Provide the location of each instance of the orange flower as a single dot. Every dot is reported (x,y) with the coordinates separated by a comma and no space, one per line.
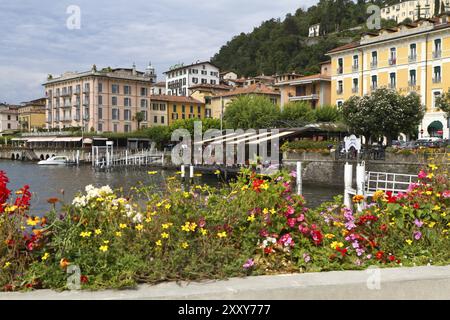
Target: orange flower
(63,263)
(358,198)
(52,200)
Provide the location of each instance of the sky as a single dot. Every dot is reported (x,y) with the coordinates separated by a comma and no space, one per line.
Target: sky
(35,39)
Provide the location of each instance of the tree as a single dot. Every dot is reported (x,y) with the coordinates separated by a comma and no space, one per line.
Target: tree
(298,113)
(327,114)
(443,103)
(384,113)
(251,111)
(139,117)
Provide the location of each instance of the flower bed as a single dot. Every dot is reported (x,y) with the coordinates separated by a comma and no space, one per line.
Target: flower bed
(256,225)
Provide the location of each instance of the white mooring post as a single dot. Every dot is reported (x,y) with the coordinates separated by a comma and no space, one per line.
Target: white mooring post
(360,182)
(183,173)
(191,174)
(348,177)
(299,178)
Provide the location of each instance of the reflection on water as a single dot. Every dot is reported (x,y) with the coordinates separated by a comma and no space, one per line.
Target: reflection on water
(50,181)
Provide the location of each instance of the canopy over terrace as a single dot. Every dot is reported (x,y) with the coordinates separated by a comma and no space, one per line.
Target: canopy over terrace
(52,142)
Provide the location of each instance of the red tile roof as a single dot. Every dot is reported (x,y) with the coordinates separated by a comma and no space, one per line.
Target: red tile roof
(345,47)
(169,98)
(211,86)
(254,88)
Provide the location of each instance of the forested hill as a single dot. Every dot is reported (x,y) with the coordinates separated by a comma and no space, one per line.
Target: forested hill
(278,46)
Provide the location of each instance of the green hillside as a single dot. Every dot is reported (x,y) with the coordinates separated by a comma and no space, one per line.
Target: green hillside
(278,46)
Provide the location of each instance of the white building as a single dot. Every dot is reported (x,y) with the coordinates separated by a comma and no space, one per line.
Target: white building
(9,117)
(409,9)
(314,30)
(180,77)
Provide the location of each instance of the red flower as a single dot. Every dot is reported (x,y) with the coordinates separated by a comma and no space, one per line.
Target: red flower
(390,197)
(383,227)
(379,255)
(257,184)
(416,206)
(391,258)
(342,251)
(84,279)
(268,250)
(317,237)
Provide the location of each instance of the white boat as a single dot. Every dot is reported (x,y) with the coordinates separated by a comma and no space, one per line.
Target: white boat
(55,160)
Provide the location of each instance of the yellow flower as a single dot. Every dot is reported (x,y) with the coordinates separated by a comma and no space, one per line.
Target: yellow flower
(217,172)
(204,232)
(7,264)
(344,232)
(409,242)
(222,234)
(122,226)
(158,243)
(167,206)
(164,235)
(329,236)
(198,175)
(185,227)
(443,214)
(192,226)
(265,211)
(98,231)
(264,186)
(185,245)
(430,175)
(148,219)
(338,224)
(106,241)
(432,167)
(139,227)
(166,225)
(118,234)
(445,231)
(251,218)
(85,234)
(32,222)
(244,188)
(159,204)
(152,172)
(103,248)
(436,208)
(431,224)
(100,199)
(379,194)
(334,245)
(45,256)
(273,211)
(186,194)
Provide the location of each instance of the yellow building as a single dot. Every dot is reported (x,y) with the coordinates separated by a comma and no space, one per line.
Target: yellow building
(32,115)
(176,107)
(409,58)
(220,101)
(205,93)
(314,89)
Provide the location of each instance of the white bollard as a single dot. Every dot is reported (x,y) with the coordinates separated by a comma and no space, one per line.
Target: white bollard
(360,182)
(183,173)
(299,178)
(126,157)
(348,179)
(191,172)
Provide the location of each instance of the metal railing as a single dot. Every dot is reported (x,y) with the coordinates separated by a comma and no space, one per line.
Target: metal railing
(393,182)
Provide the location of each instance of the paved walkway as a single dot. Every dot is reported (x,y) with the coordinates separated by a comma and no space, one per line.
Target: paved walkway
(393,283)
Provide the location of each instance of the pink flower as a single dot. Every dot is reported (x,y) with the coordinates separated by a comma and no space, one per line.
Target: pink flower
(418,223)
(301,218)
(306,257)
(290,211)
(286,240)
(293,174)
(417,235)
(446,194)
(422,174)
(291,222)
(250,263)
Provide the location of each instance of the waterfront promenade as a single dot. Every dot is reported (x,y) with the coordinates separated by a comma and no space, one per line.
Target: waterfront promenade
(432,282)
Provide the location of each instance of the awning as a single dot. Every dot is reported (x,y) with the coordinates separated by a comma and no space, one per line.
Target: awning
(19,139)
(41,139)
(68,139)
(87,141)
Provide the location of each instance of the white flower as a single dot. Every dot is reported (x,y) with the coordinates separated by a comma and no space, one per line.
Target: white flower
(137,218)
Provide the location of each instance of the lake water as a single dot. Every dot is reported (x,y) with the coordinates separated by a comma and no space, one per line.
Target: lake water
(49,181)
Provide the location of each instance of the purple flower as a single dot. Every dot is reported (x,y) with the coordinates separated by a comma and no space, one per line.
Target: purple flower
(418,223)
(293,174)
(359,252)
(417,235)
(250,263)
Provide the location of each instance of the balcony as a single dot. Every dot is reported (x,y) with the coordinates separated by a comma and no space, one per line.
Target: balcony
(412,58)
(313,96)
(66,119)
(437,79)
(374,64)
(437,54)
(392,61)
(339,91)
(339,70)
(355,89)
(77,91)
(355,68)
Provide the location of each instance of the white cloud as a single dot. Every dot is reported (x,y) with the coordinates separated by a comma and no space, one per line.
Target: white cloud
(36,42)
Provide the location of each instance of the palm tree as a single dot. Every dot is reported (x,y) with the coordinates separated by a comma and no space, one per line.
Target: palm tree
(139,117)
